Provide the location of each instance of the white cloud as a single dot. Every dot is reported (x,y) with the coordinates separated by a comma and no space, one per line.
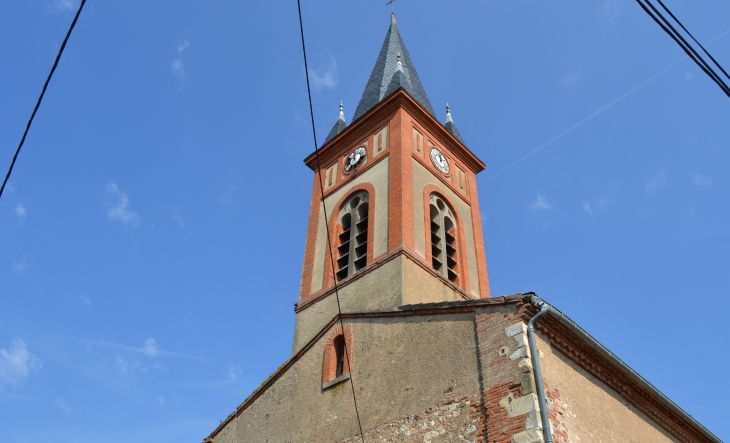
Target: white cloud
(150,347)
(80,298)
(178,67)
(62,405)
(178,219)
(587,207)
(233,371)
(701,179)
(20,211)
(570,79)
(230,183)
(599,206)
(610,9)
(540,204)
(121,211)
(121,364)
(65,5)
(655,182)
(20,268)
(17,363)
(326,77)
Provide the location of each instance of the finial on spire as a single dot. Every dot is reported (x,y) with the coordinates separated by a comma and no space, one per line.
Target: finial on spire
(392,10)
(342,112)
(448,114)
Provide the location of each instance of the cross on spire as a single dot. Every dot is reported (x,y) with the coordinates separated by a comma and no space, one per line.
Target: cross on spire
(392,6)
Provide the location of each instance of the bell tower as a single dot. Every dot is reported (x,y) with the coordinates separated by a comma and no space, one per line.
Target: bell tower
(401,205)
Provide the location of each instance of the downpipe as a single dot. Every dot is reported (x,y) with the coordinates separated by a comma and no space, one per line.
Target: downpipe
(542,401)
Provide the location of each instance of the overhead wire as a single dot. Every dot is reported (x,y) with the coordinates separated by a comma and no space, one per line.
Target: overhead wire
(693,38)
(665,24)
(40,98)
(326,223)
(687,47)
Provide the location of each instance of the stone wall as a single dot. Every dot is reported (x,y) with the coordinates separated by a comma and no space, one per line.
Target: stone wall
(509,387)
(457,420)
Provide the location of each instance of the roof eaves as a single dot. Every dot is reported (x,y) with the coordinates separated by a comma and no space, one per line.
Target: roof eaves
(598,347)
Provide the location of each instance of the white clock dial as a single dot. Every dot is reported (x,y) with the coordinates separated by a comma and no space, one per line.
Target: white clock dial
(439,161)
(355,159)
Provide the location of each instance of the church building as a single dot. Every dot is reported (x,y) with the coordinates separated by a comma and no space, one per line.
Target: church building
(397,337)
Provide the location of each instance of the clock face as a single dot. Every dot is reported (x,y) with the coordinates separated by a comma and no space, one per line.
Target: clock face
(355,159)
(439,161)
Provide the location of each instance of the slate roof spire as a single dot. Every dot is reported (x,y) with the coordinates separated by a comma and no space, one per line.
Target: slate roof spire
(388,75)
(339,126)
(450,126)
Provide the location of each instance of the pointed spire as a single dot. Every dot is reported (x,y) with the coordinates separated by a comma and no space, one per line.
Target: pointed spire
(391,70)
(451,126)
(339,126)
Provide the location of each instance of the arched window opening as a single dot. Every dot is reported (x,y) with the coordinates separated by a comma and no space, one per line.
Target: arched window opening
(338,351)
(443,238)
(353,240)
(339,345)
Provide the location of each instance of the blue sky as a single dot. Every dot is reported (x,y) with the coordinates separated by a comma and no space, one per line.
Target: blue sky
(153,230)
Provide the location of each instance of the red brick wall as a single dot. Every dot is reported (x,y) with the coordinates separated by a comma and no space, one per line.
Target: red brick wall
(401,115)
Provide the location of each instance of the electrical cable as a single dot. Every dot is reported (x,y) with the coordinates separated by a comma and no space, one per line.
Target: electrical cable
(693,38)
(669,29)
(40,98)
(326,223)
(688,49)
(696,56)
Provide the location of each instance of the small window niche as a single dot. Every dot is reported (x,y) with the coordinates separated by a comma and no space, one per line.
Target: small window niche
(337,358)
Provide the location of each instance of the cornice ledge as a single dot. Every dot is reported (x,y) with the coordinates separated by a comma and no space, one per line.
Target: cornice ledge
(400,98)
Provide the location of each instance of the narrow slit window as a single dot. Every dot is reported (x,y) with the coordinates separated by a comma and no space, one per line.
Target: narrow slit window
(339,344)
(444,258)
(352,245)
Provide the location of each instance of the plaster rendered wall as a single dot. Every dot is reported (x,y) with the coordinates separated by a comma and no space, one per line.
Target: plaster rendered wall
(421,178)
(378,177)
(419,286)
(406,371)
(589,410)
(398,282)
(375,291)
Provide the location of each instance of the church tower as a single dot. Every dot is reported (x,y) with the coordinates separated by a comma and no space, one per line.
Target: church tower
(401,204)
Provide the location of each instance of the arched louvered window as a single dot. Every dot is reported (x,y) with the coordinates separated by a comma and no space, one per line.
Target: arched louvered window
(352,245)
(443,238)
